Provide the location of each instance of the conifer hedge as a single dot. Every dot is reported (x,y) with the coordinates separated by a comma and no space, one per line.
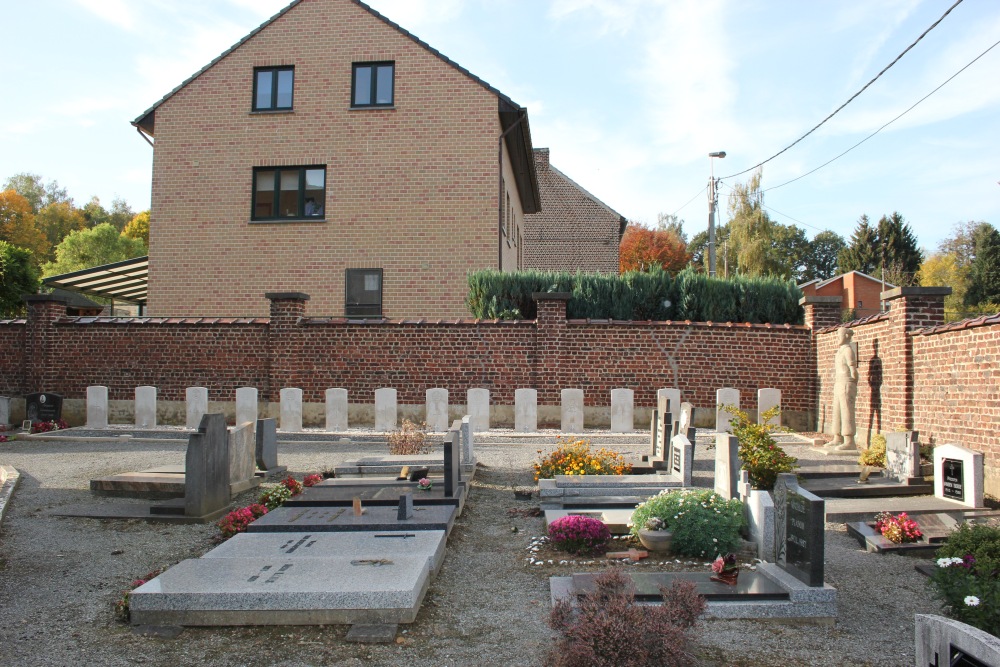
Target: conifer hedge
(655,295)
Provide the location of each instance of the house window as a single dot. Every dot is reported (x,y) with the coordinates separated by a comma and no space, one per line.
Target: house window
(289,193)
(363,293)
(373,84)
(272,88)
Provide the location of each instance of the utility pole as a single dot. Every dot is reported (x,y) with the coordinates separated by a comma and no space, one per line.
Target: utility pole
(713,200)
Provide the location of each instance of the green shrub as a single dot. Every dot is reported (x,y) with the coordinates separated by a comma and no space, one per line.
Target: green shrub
(653,295)
(874,456)
(275,497)
(762,458)
(703,522)
(967,576)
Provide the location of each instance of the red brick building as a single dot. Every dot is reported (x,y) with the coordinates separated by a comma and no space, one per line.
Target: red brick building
(859,291)
(574,231)
(332,152)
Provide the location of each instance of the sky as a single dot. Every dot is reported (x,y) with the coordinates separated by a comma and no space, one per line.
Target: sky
(630,96)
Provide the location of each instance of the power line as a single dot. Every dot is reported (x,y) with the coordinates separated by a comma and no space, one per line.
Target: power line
(774,210)
(696,195)
(775,187)
(851,99)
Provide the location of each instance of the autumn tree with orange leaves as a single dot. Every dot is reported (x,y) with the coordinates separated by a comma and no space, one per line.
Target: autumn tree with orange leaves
(642,249)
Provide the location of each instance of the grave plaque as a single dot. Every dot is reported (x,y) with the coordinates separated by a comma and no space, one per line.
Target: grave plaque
(952,471)
(675,460)
(798,530)
(43,407)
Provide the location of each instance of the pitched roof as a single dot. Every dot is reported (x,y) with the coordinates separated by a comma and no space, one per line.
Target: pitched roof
(574,230)
(824,283)
(518,140)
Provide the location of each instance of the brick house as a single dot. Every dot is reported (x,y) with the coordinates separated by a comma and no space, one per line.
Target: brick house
(574,230)
(860,291)
(332,152)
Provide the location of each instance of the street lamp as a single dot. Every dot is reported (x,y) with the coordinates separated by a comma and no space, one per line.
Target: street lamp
(713,200)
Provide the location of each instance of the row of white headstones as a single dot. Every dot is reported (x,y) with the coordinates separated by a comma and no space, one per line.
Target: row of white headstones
(436,408)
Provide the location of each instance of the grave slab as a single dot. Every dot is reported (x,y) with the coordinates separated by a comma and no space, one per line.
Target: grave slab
(354,546)
(935,528)
(341,519)
(283,591)
(944,641)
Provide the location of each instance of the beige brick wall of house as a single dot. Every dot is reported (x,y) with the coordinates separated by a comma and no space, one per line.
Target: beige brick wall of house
(410,189)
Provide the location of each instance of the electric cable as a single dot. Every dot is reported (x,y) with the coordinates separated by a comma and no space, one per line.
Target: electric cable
(851,99)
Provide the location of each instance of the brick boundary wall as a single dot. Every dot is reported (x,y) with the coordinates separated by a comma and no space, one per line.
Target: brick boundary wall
(65,355)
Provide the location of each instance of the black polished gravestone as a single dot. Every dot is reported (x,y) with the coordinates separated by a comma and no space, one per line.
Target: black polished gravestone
(43,407)
(953,479)
(452,461)
(799,524)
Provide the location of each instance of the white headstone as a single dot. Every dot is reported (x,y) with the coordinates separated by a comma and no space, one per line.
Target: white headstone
(767,399)
(437,409)
(336,409)
(958,475)
(145,407)
(572,410)
(196,399)
(622,407)
(902,456)
(479,409)
(246,405)
(673,400)
(291,410)
(97,407)
(726,396)
(681,461)
(526,410)
(385,409)
(727,465)
(468,443)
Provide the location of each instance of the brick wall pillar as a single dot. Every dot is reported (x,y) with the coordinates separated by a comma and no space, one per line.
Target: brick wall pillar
(284,342)
(910,308)
(43,311)
(821,311)
(551,323)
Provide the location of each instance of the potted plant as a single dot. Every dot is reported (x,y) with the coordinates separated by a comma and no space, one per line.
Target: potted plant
(872,458)
(726,570)
(656,537)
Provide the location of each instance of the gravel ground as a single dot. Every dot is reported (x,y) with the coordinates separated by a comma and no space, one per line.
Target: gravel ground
(59,578)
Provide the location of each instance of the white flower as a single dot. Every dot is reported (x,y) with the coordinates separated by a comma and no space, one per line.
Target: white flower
(715,539)
(971,601)
(942,562)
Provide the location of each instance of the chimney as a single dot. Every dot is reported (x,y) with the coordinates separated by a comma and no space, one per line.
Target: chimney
(542,158)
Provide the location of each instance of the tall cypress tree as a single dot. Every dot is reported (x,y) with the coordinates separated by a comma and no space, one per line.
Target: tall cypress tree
(861,254)
(892,237)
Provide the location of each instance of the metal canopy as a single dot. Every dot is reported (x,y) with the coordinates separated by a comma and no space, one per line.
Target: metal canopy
(122,281)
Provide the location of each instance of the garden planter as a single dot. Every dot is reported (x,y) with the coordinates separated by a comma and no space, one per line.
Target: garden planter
(657,541)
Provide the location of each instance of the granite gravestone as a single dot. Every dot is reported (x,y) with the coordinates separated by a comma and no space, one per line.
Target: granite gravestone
(799,522)
(266,446)
(206,468)
(43,407)
(405,507)
(452,462)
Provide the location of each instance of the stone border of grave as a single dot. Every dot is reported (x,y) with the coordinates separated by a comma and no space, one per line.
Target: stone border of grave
(944,641)
(9,478)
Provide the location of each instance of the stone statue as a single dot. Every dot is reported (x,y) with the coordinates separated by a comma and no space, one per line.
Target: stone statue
(845,392)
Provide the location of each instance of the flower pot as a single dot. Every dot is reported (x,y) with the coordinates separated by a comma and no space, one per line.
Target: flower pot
(657,541)
(727,577)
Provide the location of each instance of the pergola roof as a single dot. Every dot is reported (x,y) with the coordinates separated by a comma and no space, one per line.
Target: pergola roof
(122,281)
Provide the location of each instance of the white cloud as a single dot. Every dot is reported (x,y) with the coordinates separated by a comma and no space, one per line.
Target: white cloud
(117,12)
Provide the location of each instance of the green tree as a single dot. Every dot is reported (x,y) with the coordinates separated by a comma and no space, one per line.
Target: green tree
(38,194)
(87,248)
(821,256)
(138,228)
(120,214)
(94,213)
(984,270)
(898,246)
(56,221)
(861,253)
(671,223)
(18,277)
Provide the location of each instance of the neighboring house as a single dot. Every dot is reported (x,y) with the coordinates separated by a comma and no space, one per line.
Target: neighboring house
(574,230)
(331,152)
(860,291)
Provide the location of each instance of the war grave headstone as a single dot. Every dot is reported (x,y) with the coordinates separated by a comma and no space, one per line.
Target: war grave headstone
(246,405)
(478,408)
(266,448)
(945,642)
(196,405)
(43,407)
(97,407)
(727,465)
(958,475)
(336,409)
(385,409)
(145,407)
(673,401)
(622,410)
(436,409)
(767,399)
(4,410)
(572,410)
(526,410)
(723,397)
(290,409)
